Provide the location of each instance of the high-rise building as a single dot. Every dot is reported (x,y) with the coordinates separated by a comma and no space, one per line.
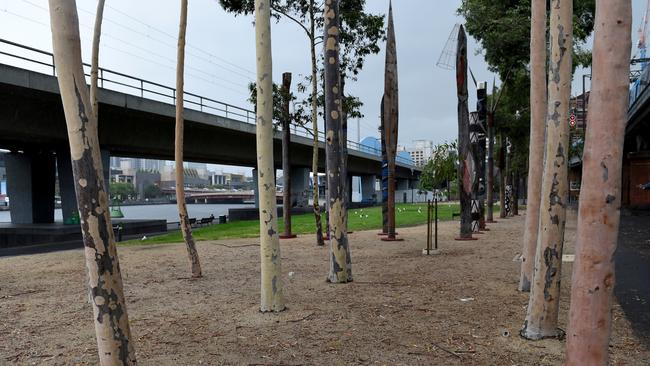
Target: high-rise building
(420,152)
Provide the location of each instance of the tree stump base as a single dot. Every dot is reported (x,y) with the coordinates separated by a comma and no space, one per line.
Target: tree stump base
(385,234)
(291,236)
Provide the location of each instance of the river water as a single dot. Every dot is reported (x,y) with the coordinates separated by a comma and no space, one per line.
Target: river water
(167,212)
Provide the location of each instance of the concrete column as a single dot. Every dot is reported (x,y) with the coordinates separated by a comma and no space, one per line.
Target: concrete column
(256,189)
(30,187)
(300,187)
(66,184)
(368,188)
(106,166)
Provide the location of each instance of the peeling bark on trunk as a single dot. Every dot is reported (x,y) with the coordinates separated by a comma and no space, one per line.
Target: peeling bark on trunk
(94,64)
(114,343)
(271,294)
(515,193)
(490,168)
(314,122)
(536,149)
(590,317)
(340,266)
(286,156)
(465,167)
(542,316)
(390,119)
(186,228)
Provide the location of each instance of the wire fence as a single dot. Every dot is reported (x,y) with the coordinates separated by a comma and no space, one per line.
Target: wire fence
(43,62)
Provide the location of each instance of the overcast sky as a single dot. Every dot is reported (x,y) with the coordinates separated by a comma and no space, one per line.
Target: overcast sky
(139,39)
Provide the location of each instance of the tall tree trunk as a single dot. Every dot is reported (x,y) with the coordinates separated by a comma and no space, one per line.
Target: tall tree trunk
(536,146)
(508,177)
(286,153)
(384,172)
(314,123)
(340,267)
(542,315)
(271,294)
(465,157)
(590,317)
(114,343)
(502,176)
(94,64)
(481,108)
(391,119)
(186,228)
(490,168)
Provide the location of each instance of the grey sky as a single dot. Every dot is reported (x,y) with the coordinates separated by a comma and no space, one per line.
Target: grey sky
(138,39)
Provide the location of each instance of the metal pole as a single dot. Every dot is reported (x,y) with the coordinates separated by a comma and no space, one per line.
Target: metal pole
(435,217)
(428,226)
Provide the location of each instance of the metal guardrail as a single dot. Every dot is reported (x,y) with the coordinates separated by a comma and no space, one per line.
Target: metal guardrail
(117,81)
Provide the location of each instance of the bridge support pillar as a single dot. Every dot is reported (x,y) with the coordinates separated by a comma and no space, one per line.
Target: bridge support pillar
(256,189)
(368,188)
(30,187)
(66,184)
(299,187)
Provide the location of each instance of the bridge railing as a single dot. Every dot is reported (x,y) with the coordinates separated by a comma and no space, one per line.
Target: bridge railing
(43,61)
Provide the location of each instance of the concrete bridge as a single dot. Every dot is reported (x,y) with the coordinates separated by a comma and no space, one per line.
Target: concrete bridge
(136,119)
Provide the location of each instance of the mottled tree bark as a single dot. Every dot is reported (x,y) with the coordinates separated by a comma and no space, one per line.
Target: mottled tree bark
(466,161)
(542,315)
(515,193)
(114,343)
(271,294)
(536,145)
(314,123)
(390,120)
(490,168)
(590,317)
(286,156)
(186,228)
(94,64)
(481,109)
(340,266)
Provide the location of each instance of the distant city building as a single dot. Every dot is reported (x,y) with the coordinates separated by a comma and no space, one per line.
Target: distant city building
(136,164)
(420,153)
(580,112)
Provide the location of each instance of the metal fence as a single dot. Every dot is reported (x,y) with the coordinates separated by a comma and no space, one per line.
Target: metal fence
(43,61)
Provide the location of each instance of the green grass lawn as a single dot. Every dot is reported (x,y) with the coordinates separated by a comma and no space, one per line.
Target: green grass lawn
(358,219)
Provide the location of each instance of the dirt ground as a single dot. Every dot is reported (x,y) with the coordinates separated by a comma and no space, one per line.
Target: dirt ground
(402,309)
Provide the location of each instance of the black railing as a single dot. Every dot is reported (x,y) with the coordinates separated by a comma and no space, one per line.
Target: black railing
(117,81)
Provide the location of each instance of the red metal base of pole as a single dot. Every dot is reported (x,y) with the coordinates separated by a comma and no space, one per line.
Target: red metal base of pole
(385,234)
(388,238)
(292,236)
(465,239)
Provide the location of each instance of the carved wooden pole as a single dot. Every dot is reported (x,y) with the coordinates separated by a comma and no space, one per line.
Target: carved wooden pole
(186,227)
(390,120)
(114,343)
(340,266)
(490,168)
(536,146)
(271,294)
(590,317)
(466,161)
(542,316)
(286,156)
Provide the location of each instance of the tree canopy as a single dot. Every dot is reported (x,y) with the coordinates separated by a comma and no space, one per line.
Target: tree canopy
(442,168)
(503,30)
